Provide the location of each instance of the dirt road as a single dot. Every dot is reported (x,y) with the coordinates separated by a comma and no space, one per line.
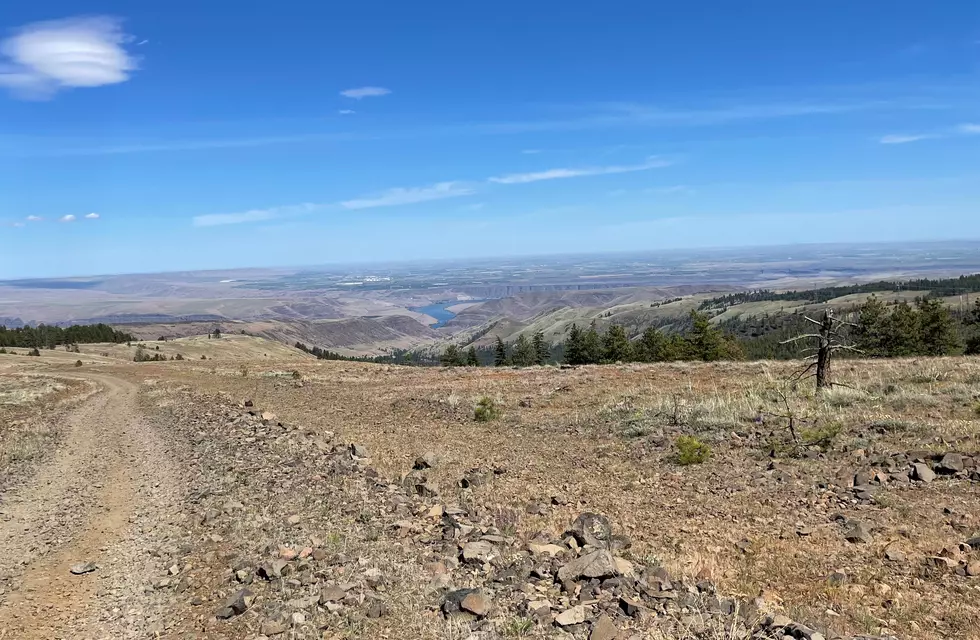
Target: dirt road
(84,505)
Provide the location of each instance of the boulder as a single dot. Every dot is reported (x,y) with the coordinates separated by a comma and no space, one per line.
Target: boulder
(591,529)
(598,564)
(951,463)
(922,472)
(604,629)
(236,605)
(575,615)
(856,531)
(477,603)
(426,461)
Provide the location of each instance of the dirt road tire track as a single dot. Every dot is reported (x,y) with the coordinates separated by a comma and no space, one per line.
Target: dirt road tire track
(85,504)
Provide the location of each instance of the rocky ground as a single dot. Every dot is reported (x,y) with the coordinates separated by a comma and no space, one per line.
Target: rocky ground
(358,501)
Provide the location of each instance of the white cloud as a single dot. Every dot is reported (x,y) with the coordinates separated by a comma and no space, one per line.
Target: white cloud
(346,112)
(904,139)
(92,216)
(67,218)
(412,195)
(556,174)
(531,152)
(254,215)
(969,128)
(34,218)
(365,92)
(45,57)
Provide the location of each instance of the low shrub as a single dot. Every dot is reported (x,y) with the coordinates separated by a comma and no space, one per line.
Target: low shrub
(486,410)
(690,450)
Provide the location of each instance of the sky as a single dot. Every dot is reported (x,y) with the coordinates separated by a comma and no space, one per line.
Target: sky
(140,137)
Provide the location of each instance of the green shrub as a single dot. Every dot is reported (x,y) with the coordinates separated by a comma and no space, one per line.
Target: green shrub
(690,450)
(486,410)
(822,436)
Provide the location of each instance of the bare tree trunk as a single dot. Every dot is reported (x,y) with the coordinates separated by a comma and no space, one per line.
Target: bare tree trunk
(824,351)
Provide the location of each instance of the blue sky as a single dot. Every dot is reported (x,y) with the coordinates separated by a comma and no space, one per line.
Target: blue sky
(188,135)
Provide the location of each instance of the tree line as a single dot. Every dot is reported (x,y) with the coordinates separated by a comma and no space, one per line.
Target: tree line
(48,337)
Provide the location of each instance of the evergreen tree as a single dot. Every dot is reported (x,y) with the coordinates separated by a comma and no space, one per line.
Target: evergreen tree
(452,357)
(704,340)
(524,354)
(500,353)
(575,346)
(592,346)
(652,346)
(616,345)
(937,331)
(870,332)
(471,359)
(541,350)
(900,335)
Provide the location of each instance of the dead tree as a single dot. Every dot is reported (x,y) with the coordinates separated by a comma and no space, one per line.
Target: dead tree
(829,341)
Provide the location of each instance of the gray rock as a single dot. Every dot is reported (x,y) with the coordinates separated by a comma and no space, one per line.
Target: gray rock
(922,472)
(426,461)
(951,463)
(575,615)
(82,568)
(604,629)
(591,529)
(478,552)
(236,605)
(856,531)
(598,564)
(359,451)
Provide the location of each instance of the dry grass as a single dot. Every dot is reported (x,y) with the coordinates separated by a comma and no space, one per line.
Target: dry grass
(603,437)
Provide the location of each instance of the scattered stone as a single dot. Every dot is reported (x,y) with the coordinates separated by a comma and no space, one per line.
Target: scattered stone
(293,520)
(856,531)
(894,554)
(332,594)
(591,529)
(922,472)
(358,451)
(604,629)
(452,603)
(426,461)
(476,603)
(83,568)
(951,463)
(551,550)
(273,628)
(598,564)
(478,552)
(630,606)
(973,569)
(236,605)
(575,615)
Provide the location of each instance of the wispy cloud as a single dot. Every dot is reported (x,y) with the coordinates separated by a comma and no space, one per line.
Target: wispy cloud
(43,58)
(255,215)
(557,174)
(34,218)
(346,112)
(67,218)
(960,130)
(476,206)
(92,216)
(530,152)
(899,138)
(411,195)
(365,92)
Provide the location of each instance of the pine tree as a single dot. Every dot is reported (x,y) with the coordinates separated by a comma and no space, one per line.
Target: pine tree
(541,350)
(592,346)
(500,353)
(524,354)
(900,334)
(452,357)
(616,345)
(575,346)
(705,341)
(471,359)
(937,332)
(871,322)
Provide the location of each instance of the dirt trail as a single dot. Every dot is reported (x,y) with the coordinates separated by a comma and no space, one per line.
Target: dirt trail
(77,509)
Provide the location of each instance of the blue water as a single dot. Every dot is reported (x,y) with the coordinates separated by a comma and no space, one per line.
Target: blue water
(439,312)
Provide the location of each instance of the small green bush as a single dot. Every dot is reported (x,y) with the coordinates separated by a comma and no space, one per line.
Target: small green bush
(486,410)
(822,436)
(690,450)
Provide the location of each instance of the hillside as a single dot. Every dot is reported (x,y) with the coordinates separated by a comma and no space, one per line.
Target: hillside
(299,513)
